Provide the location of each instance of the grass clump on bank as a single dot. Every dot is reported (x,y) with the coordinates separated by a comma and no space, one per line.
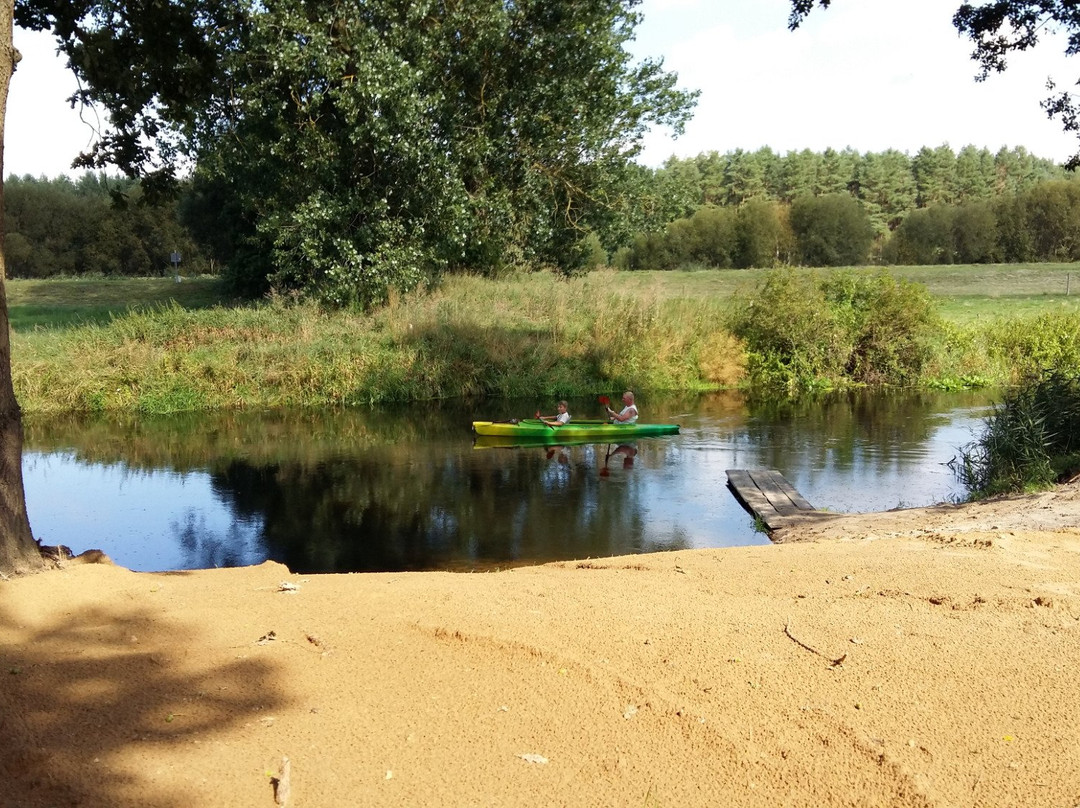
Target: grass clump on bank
(1031,440)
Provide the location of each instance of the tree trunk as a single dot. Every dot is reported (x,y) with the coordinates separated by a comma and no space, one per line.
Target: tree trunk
(18,550)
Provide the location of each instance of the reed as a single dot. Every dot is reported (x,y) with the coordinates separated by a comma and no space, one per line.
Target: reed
(1030,441)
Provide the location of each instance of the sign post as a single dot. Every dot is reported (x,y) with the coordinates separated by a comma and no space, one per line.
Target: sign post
(175,259)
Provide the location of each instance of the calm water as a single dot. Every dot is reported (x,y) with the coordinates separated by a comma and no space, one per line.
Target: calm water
(406,489)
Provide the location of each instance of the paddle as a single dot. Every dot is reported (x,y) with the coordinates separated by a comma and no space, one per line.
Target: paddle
(604,470)
(605,402)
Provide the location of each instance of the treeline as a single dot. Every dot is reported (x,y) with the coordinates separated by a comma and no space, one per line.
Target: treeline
(758,209)
(888,185)
(738,210)
(92,225)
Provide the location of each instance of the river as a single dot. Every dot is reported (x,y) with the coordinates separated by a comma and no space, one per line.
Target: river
(404,488)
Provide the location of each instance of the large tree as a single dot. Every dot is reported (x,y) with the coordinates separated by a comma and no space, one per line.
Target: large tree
(17,547)
(372,142)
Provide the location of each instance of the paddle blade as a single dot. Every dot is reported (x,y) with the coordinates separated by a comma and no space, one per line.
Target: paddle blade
(605,401)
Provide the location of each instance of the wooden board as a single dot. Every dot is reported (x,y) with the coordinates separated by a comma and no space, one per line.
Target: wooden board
(769,497)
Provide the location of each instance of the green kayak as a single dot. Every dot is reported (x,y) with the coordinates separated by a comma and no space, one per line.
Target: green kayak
(535,430)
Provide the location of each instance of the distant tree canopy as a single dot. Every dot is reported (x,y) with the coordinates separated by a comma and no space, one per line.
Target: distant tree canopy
(889,184)
(979,208)
(934,207)
(74,227)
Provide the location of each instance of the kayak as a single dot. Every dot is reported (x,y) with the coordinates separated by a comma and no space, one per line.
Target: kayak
(535,430)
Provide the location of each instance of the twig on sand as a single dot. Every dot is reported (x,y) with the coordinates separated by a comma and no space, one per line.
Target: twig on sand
(833,662)
(282,783)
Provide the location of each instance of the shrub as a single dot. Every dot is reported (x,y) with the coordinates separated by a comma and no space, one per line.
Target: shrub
(791,336)
(890,323)
(804,331)
(831,230)
(924,237)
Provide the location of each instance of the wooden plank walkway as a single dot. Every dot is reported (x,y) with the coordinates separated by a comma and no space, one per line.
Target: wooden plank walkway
(772,499)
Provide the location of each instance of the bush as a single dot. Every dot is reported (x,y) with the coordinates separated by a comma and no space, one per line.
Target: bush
(890,323)
(803,331)
(925,237)
(790,334)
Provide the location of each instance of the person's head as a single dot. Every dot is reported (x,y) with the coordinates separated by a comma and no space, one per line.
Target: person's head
(561,406)
(628,398)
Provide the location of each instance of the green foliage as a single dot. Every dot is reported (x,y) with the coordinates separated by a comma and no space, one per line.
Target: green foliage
(65,227)
(830,231)
(791,338)
(804,330)
(763,235)
(1031,440)
(1049,340)
(924,237)
(372,145)
(975,234)
(889,322)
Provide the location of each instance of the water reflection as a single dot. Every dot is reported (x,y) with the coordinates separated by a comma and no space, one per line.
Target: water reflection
(387,489)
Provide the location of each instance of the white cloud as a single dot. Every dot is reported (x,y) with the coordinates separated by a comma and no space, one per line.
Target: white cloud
(872,75)
(42,133)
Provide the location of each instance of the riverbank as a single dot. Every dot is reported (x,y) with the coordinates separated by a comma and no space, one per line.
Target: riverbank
(76,347)
(908,658)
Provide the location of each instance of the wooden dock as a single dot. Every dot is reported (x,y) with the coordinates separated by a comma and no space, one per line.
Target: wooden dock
(772,499)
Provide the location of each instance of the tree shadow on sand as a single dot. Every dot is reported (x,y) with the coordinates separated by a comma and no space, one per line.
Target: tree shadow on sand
(84,703)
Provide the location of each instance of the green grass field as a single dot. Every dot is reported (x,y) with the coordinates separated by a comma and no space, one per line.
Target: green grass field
(966,293)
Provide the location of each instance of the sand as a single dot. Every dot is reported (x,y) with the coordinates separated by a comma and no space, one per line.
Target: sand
(924,657)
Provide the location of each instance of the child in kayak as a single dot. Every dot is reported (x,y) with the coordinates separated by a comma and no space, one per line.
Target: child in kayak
(560,419)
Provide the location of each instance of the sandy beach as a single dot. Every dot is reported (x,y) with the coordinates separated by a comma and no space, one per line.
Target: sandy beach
(912,658)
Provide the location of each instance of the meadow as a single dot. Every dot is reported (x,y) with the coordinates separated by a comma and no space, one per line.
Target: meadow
(152,345)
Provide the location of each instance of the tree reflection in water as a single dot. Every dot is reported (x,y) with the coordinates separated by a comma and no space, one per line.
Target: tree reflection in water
(384,490)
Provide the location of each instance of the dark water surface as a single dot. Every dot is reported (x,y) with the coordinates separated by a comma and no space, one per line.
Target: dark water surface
(405,489)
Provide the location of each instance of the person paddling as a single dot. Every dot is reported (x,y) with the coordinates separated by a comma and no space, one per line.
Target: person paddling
(629,412)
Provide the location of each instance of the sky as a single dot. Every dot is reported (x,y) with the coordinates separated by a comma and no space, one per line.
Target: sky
(866,74)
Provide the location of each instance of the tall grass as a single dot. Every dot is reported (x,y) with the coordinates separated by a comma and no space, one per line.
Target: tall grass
(525,335)
(1031,440)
